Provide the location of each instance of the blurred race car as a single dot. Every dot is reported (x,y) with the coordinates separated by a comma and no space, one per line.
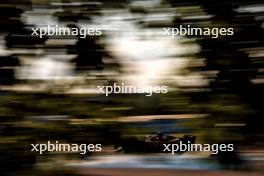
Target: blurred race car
(151,144)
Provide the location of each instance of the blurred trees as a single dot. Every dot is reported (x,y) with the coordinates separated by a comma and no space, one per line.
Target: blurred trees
(234,98)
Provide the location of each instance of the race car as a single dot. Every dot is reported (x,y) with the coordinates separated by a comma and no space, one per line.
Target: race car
(151,144)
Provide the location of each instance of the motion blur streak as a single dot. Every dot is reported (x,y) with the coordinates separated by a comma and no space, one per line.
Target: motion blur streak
(48,87)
